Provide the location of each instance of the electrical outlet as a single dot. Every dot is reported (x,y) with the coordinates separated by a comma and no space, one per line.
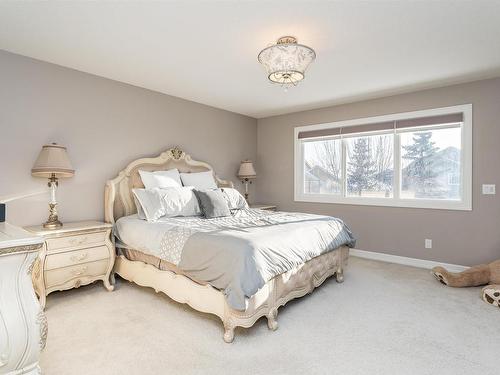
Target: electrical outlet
(428,243)
(488,189)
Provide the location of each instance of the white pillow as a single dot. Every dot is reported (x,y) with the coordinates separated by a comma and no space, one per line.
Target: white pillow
(161,179)
(149,204)
(234,199)
(199,180)
(153,204)
(180,202)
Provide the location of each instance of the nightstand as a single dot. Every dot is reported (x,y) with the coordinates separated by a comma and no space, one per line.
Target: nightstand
(76,254)
(267,207)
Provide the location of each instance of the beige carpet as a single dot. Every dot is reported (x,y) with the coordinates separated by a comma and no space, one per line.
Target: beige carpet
(384,319)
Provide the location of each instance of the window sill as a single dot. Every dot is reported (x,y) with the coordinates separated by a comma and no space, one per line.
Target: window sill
(387,202)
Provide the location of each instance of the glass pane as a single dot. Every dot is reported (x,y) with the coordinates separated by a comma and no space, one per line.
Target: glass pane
(430,162)
(370,166)
(322,166)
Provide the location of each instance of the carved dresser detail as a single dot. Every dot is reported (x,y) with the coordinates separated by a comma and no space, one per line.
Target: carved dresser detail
(23,327)
(77,254)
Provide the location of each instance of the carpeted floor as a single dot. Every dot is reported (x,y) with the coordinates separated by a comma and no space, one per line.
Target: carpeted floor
(384,319)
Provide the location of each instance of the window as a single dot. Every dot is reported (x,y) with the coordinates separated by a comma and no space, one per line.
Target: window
(418,159)
(322,168)
(428,160)
(370,166)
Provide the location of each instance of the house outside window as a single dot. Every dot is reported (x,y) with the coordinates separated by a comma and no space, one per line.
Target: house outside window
(417,159)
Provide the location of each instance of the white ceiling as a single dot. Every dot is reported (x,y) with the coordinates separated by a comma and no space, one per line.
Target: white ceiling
(206,51)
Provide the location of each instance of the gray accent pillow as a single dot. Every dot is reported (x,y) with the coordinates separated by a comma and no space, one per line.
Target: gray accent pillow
(213,203)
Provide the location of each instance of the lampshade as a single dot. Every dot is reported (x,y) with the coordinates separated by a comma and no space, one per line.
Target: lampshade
(286,61)
(247,170)
(53,159)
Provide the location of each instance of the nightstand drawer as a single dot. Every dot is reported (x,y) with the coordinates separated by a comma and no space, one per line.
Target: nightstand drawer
(74,241)
(71,258)
(62,275)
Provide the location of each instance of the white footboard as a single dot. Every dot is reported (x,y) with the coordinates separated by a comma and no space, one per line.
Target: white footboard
(275,293)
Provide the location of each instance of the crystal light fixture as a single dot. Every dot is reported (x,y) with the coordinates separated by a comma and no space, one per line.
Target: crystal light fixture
(286,61)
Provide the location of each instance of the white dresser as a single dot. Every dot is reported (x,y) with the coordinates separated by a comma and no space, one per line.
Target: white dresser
(23,327)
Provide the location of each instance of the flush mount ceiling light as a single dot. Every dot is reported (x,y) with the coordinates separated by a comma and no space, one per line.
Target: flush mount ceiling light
(286,61)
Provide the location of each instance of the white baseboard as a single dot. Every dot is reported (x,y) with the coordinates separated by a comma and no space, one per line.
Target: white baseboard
(420,263)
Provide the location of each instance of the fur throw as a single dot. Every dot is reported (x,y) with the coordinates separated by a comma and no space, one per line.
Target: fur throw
(475,276)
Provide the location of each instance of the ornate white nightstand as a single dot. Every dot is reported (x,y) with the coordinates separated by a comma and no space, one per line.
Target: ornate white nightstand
(77,254)
(23,327)
(261,206)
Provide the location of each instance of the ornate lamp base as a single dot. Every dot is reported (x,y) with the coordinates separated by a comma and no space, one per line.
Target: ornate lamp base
(246,181)
(53,220)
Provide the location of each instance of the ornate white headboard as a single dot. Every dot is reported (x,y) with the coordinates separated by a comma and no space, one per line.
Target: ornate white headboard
(118,200)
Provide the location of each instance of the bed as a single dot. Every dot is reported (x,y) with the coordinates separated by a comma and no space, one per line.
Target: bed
(248,283)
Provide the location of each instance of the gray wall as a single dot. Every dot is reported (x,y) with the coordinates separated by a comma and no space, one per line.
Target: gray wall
(459,237)
(105,124)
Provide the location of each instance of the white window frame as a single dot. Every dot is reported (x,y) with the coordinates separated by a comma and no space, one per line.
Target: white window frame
(464,204)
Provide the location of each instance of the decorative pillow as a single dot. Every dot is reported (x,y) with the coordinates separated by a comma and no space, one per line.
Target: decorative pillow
(153,204)
(161,179)
(180,201)
(149,204)
(199,180)
(235,200)
(212,203)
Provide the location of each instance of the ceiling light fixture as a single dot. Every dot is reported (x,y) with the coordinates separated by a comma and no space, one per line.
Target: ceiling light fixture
(286,61)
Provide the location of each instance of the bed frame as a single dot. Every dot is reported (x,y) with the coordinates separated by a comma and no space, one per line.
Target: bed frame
(275,293)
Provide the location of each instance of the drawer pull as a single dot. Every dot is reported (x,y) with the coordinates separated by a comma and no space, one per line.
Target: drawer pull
(78,240)
(79,272)
(79,257)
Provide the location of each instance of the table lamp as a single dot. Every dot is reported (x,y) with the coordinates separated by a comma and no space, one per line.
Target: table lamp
(246,173)
(52,163)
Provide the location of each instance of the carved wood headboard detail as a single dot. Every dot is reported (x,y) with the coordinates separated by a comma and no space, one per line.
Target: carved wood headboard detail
(118,199)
